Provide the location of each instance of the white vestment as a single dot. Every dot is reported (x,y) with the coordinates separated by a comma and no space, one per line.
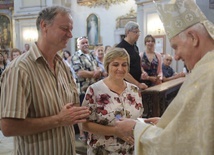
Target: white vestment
(187,125)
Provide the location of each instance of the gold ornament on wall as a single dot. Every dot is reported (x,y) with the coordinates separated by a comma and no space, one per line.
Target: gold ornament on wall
(122,20)
(97,3)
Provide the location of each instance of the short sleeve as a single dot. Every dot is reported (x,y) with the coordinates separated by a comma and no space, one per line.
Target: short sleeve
(90,101)
(15,93)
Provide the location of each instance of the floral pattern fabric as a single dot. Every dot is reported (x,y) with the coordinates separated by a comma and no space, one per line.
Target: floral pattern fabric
(106,107)
(151,68)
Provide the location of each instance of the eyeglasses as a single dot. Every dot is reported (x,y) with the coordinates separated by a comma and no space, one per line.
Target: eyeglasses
(136,32)
(83,37)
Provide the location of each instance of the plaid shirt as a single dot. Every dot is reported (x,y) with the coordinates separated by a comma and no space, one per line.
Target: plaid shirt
(81,61)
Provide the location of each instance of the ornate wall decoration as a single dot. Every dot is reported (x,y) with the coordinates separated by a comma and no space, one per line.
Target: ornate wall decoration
(6,4)
(6,9)
(122,20)
(211,4)
(97,3)
(5,31)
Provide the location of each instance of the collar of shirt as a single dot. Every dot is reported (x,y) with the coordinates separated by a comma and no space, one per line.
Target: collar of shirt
(36,54)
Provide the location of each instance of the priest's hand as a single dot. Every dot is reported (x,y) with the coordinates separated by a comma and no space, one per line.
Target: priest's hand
(124,128)
(152,120)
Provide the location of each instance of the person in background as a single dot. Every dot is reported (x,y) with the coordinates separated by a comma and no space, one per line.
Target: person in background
(151,63)
(107,48)
(110,99)
(14,53)
(27,47)
(39,101)
(186,127)
(185,70)
(66,56)
(87,71)
(5,52)
(168,72)
(132,34)
(2,63)
(99,52)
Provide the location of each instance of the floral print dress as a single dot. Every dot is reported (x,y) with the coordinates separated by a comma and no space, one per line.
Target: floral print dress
(106,107)
(151,68)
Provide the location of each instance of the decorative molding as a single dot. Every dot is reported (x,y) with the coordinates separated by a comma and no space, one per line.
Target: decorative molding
(97,3)
(6,4)
(211,4)
(122,20)
(143,2)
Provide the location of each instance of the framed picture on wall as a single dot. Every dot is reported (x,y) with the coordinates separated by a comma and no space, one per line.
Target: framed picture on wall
(211,4)
(5,32)
(93,29)
(160,44)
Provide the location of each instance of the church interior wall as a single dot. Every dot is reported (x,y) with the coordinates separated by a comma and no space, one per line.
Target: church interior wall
(149,20)
(107,20)
(24,13)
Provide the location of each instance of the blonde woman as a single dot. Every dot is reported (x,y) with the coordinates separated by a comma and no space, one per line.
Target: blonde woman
(99,52)
(111,99)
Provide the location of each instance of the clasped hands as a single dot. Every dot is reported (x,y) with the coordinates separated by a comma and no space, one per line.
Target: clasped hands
(180,75)
(70,115)
(153,79)
(97,73)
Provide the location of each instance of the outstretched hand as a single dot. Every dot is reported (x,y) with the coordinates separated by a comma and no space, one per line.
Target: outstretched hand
(124,130)
(152,120)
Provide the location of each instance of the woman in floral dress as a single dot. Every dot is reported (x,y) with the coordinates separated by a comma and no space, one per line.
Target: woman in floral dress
(151,62)
(109,100)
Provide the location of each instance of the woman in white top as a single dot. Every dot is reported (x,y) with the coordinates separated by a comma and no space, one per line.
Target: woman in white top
(111,99)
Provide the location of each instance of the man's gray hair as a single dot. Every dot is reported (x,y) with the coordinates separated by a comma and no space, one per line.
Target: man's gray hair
(131,26)
(166,55)
(48,14)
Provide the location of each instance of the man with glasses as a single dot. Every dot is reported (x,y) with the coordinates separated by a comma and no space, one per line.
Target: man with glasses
(132,34)
(168,72)
(87,71)
(39,99)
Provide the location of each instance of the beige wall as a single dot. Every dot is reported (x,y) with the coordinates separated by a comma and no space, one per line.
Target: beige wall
(30,3)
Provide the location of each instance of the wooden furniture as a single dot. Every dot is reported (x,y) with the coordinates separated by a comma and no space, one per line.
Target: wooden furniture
(157,98)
